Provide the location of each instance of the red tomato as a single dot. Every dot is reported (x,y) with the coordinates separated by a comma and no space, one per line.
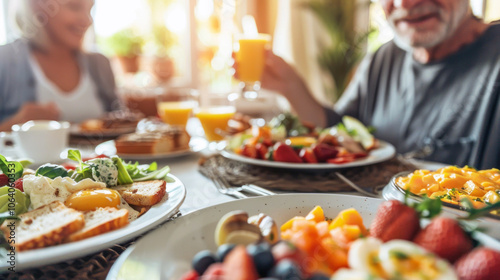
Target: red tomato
(93,157)
(18,184)
(4,180)
(69,166)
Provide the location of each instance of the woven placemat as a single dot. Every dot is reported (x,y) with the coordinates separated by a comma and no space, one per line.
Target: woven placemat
(94,266)
(371,177)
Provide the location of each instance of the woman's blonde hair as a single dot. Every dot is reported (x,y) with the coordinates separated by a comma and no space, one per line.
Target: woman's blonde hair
(31,24)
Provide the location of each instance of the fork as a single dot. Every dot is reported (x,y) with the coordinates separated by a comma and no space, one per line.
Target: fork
(224,187)
(356,187)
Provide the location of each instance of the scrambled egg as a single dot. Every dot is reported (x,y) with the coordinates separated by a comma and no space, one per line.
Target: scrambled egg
(452,183)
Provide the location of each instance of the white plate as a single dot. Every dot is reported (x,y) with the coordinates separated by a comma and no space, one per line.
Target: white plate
(384,152)
(155,216)
(157,257)
(108,148)
(75,130)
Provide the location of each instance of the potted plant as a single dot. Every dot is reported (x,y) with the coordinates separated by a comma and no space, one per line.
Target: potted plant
(341,57)
(126,45)
(162,64)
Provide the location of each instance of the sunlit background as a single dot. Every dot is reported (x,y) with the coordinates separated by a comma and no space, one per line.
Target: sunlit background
(189,42)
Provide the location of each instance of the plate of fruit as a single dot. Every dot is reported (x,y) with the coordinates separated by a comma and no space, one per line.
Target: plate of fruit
(286,142)
(58,213)
(312,236)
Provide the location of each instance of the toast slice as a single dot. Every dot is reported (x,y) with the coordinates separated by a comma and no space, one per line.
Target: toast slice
(145,193)
(45,226)
(100,221)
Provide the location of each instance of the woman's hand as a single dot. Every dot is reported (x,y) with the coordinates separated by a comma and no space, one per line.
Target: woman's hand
(32,111)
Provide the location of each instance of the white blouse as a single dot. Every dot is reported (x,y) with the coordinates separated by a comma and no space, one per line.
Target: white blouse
(80,104)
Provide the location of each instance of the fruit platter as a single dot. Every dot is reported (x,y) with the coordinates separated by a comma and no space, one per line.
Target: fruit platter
(65,211)
(286,142)
(314,236)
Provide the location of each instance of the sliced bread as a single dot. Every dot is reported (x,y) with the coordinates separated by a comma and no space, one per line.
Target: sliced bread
(45,226)
(100,221)
(146,193)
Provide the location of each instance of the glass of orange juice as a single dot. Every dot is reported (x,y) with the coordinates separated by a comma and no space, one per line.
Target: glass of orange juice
(214,113)
(250,59)
(175,105)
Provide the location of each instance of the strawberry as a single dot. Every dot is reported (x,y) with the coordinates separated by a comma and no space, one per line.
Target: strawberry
(284,153)
(239,265)
(4,180)
(395,220)
(324,152)
(250,151)
(307,155)
(444,237)
(191,275)
(480,264)
(18,184)
(214,271)
(261,150)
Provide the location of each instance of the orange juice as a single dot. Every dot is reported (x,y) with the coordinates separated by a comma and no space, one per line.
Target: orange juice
(176,113)
(250,57)
(213,119)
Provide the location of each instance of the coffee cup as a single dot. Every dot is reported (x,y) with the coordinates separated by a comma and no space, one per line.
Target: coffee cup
(41,140)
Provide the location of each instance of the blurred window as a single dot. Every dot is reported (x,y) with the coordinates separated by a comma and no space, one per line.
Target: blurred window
(492,10)
(3,23)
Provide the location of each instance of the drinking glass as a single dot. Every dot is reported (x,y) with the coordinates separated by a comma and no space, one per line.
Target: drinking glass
(175,105)
(214,112)
(250,60)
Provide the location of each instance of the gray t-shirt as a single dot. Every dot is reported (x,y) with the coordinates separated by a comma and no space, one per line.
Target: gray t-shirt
(451,105)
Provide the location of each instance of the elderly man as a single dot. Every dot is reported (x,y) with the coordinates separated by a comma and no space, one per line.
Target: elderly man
(434,91)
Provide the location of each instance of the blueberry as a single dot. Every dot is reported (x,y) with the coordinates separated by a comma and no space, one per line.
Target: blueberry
(202,260)
(262,257)
(318,276)
(223,250)
(286,270)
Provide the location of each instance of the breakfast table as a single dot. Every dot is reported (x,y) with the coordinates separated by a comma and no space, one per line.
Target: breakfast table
(192,169)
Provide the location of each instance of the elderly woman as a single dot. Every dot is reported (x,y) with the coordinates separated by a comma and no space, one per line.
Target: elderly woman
(45,74)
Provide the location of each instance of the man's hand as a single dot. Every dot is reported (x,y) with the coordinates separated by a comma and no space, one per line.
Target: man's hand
(280,76)
(277,73)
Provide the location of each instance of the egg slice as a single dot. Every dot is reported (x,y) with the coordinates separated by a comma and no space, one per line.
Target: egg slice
(91,199)
(43,190)
(407,260)
(363,255)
